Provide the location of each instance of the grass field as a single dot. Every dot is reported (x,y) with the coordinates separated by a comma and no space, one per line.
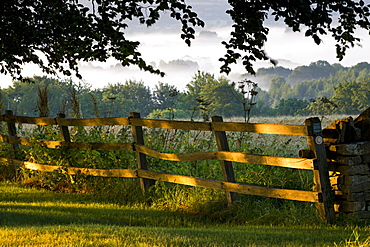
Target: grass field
(59,210)
(31,217)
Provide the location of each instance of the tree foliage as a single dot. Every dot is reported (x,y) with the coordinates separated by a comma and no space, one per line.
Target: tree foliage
(56,35)
(340,18)
(165,96)
(68,31)
(279,89)
(289,107)
(352,97)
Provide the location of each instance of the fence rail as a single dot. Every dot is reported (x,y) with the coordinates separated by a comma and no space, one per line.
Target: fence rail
(313,159)
(279,129)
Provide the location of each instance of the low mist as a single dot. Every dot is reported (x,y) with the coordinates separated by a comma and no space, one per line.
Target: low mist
(169,53)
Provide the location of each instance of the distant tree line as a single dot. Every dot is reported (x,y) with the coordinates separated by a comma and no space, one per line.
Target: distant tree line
(347,88)
(317,89)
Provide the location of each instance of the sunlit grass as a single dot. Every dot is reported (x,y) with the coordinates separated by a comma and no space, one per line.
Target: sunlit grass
(30,217)
(111,235)
(112,211)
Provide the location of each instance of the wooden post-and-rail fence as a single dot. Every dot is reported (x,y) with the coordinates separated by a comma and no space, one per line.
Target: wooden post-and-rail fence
(312,159)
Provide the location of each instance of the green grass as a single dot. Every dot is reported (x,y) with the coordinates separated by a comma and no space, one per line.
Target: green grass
(31,217)
(95,211)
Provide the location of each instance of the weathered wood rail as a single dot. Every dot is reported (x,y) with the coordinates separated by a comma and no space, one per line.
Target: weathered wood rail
(313,159)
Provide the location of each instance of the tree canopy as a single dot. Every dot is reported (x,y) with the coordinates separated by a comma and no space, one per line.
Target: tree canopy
(56,35)
(340,18)
(68,31)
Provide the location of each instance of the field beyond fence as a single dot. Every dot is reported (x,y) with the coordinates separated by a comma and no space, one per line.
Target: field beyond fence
(311,159)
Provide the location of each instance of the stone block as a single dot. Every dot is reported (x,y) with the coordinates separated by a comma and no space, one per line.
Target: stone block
(344,149)
(366,159)
(354,197)
(358,148)
(361,215)
(361,169)
(345,188)
(357,197)
(357,180)
(352,206)
(367,195)
(349,160)
(353,180)
(364,148)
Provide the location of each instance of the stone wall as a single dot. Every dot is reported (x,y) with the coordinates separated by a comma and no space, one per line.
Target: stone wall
(348,149)
(350,178)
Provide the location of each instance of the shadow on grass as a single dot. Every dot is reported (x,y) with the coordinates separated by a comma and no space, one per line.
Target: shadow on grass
(24,208)
(24,215)
(21,206)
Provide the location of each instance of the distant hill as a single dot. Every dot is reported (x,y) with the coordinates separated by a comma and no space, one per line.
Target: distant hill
(316,70)
(308,82)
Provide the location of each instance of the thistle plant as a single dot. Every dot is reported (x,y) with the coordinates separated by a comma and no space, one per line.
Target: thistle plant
(247,88)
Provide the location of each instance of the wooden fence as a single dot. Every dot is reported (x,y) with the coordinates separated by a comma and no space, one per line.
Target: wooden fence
(312,159)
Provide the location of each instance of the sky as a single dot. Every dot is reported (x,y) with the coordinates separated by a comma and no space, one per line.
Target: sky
(159,48)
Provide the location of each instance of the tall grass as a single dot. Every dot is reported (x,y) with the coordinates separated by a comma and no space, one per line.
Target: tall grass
(198,201)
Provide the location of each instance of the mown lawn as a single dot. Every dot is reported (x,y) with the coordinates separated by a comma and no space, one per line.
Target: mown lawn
(31,217)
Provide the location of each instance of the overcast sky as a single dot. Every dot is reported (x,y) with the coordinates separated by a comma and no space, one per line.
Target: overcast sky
(290,49)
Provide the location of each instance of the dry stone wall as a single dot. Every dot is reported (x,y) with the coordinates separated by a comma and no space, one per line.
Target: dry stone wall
(350,178)
(348,151)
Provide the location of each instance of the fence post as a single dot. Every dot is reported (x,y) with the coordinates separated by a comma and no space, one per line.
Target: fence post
(64,131)
(12,131)
(142,164)
(227,166)
(321,173)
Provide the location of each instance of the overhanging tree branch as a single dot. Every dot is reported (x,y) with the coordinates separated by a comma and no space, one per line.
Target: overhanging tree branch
(66,32)
(340,18)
